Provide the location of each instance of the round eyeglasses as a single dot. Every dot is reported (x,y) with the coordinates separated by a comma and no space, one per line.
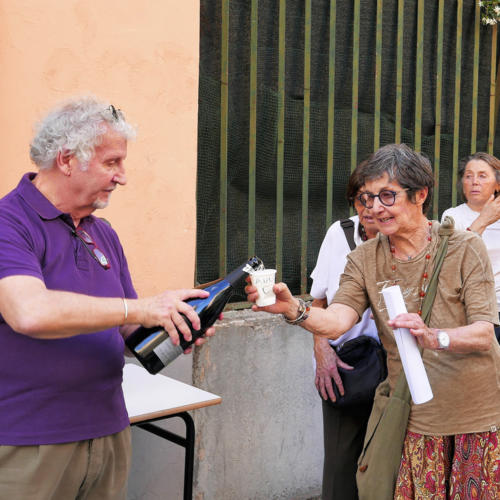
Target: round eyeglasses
(387,197)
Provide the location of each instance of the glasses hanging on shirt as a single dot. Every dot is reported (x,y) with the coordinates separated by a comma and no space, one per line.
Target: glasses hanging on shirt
(92,247)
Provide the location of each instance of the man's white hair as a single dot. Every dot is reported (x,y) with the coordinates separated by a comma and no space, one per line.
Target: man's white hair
(76,127)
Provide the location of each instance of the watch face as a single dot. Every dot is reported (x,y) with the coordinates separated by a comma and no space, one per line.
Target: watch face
(443,340)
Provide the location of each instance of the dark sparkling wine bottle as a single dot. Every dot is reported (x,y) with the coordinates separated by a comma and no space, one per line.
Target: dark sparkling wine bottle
(154,348)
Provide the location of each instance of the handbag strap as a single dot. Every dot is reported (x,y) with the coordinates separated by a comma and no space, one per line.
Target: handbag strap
(445,231)
(348,227)
(401,390)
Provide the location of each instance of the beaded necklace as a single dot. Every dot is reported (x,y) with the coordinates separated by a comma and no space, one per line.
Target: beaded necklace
(425,275)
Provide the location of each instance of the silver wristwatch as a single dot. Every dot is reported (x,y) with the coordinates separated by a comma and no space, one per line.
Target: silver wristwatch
(443,339)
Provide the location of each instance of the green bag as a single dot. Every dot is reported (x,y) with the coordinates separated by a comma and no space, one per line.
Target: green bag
(378,464)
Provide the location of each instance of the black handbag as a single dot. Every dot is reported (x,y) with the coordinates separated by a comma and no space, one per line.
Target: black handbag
(363,353)
(368,359)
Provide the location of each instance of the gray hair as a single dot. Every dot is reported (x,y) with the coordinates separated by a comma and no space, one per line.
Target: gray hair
(76,127)
(491,160)
(411,170)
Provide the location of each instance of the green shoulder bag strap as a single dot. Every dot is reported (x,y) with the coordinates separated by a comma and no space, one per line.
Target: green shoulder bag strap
(401,390)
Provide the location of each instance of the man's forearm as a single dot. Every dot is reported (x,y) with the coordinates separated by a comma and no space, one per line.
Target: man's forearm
(31,309)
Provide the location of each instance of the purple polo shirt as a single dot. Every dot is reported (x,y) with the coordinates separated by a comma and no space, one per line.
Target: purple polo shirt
(59,390)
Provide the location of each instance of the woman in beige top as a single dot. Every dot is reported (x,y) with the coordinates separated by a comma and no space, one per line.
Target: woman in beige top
(451,447)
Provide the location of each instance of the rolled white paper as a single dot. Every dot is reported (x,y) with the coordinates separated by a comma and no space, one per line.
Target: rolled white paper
(413,366)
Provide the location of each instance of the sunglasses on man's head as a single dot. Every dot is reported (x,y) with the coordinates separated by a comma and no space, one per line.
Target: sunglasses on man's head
(117,114)
(92,248)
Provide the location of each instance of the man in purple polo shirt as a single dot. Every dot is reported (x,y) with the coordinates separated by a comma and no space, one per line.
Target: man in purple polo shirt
(66,304)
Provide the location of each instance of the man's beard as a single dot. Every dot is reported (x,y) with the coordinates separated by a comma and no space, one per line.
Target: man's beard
(100,204)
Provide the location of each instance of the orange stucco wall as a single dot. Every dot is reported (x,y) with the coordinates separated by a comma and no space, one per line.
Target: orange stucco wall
(143,57)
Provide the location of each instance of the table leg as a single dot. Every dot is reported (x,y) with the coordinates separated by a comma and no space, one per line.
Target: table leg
(187,443)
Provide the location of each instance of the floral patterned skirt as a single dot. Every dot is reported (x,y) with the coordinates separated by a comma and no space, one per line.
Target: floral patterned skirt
(460,467)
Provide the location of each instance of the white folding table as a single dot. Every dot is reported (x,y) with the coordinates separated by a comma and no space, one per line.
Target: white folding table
(150,398)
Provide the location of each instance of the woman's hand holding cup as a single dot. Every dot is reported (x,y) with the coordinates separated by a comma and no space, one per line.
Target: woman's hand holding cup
(285,301)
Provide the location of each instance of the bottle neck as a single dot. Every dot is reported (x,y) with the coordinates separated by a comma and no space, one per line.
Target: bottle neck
(241,272)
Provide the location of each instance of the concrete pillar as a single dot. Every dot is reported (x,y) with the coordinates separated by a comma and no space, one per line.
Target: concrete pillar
(265,441)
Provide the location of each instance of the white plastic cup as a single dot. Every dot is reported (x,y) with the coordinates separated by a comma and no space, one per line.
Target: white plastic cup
(264,281)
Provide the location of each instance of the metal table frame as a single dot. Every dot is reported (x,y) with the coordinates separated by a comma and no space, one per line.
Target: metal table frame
(186,442)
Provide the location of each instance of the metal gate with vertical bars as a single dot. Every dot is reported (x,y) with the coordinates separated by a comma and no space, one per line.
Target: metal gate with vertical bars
(293,94)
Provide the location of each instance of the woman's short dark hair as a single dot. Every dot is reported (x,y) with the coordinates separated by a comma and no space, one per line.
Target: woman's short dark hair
(411,170)
(355,184)
(491,160)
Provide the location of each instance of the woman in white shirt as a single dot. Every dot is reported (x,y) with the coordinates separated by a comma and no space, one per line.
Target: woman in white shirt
(343,429)
(479,177)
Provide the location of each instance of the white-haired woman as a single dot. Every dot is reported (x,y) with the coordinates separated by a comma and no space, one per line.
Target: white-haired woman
(479,179)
